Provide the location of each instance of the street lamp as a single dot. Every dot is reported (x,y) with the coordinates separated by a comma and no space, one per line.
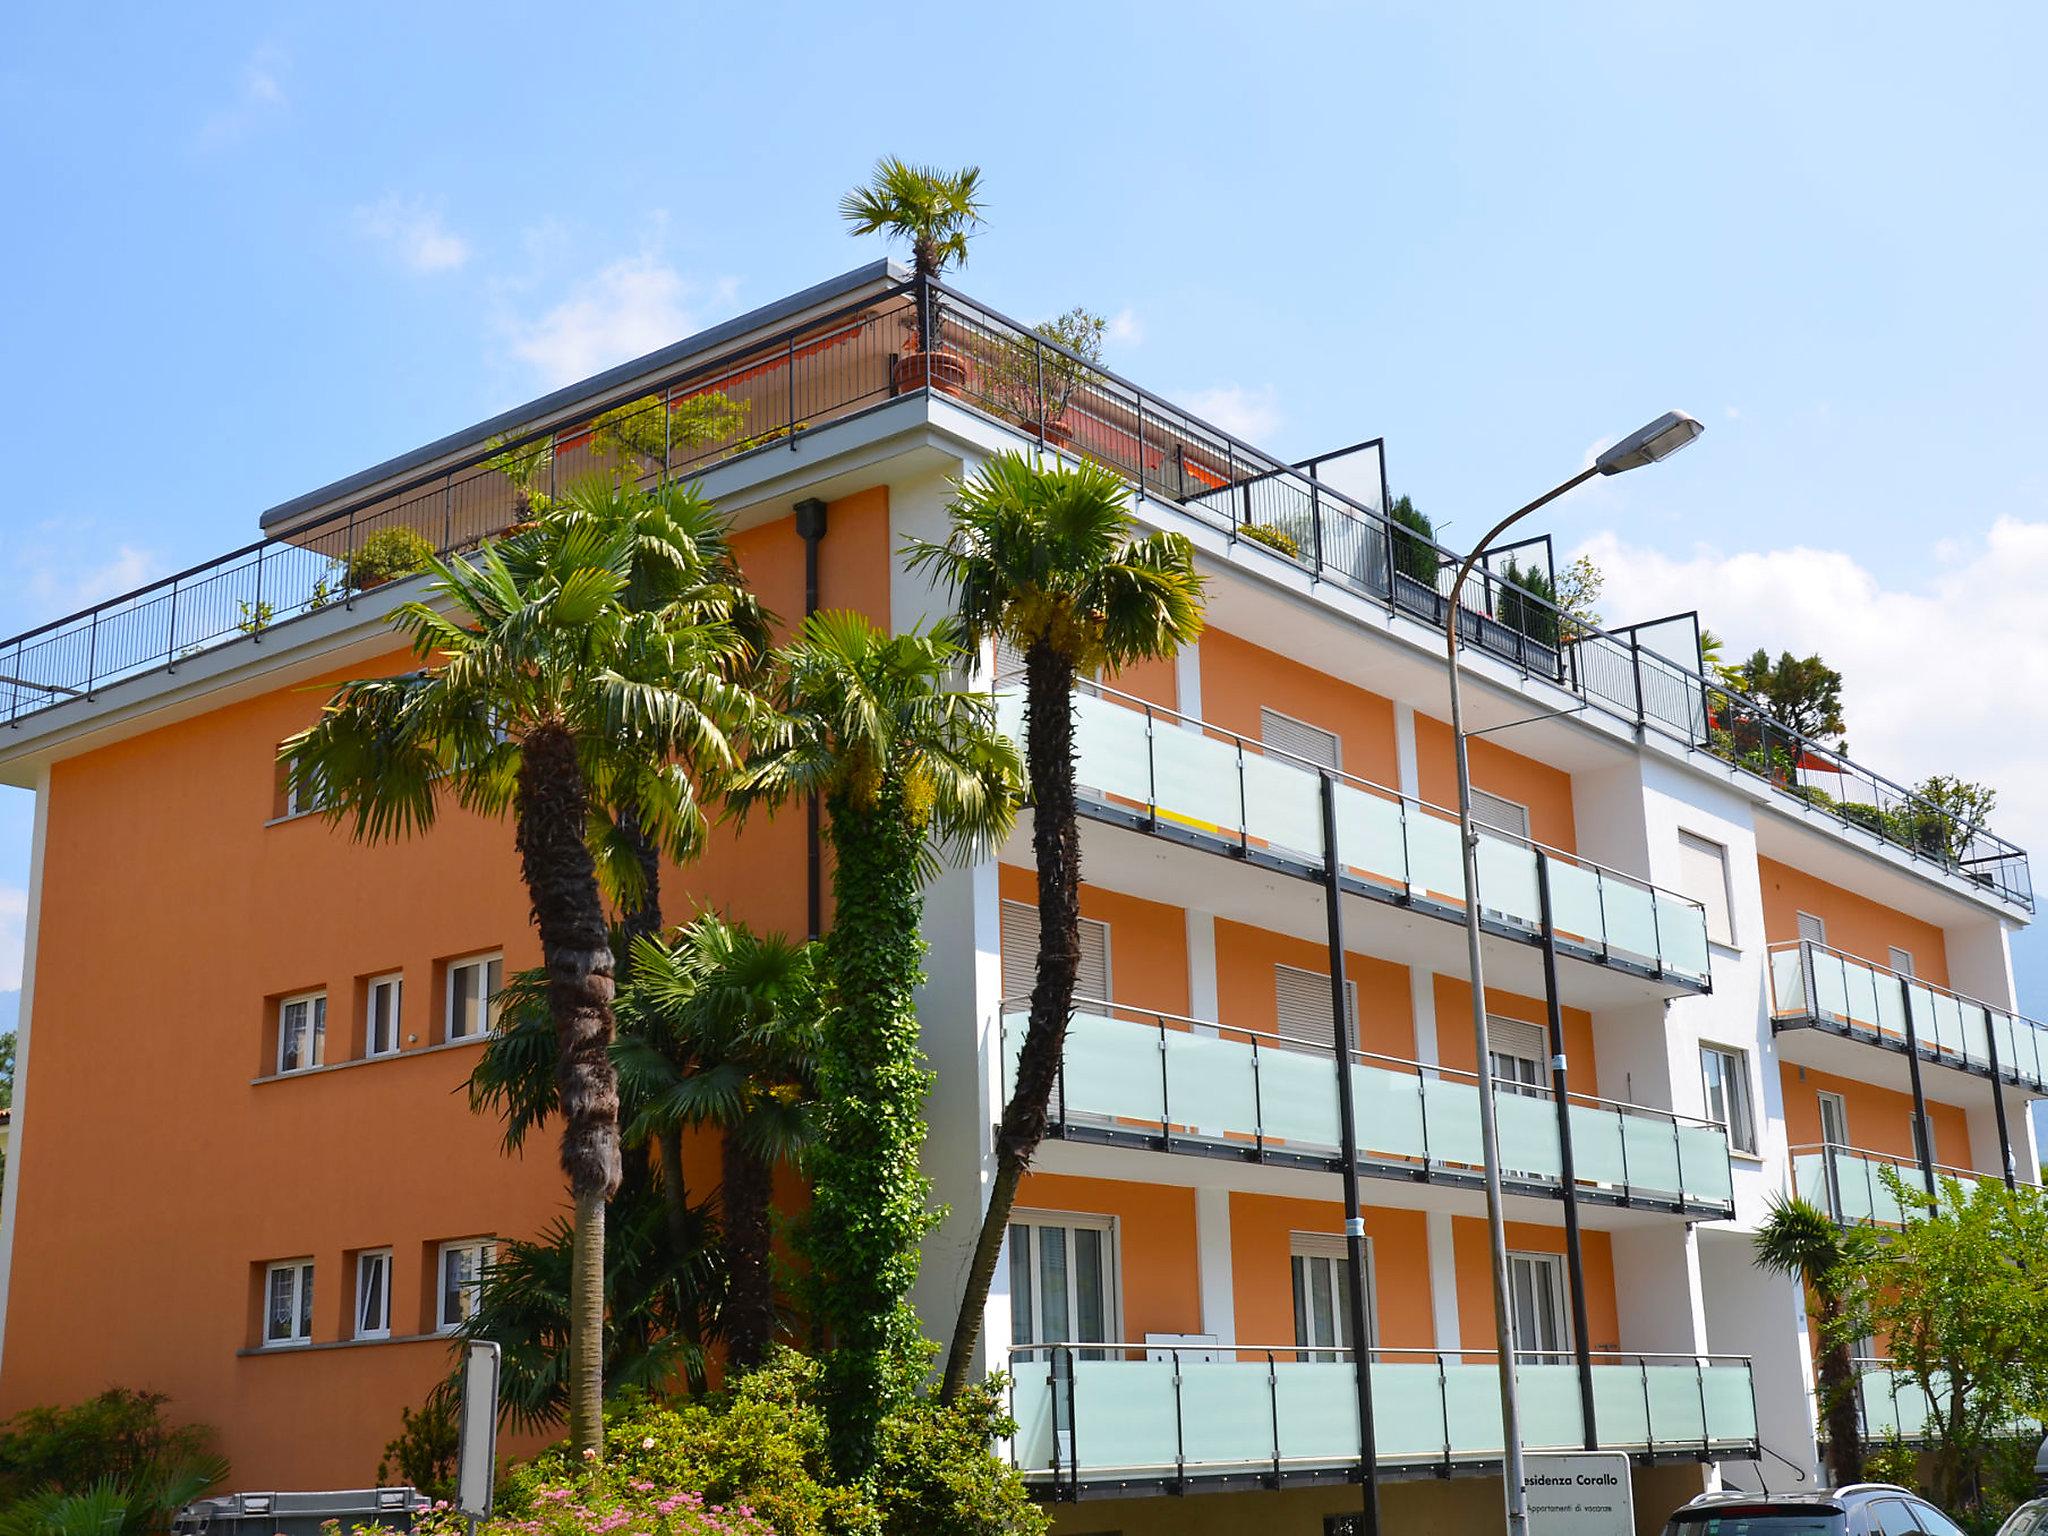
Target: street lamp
(1659,440)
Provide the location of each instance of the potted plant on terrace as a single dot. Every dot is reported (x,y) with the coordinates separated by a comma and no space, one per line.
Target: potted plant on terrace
(386,555)
(525,465)
(1035,384)
(936,212)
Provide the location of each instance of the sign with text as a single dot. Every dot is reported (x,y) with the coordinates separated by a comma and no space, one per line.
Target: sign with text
(1579,1495)
(476,1461)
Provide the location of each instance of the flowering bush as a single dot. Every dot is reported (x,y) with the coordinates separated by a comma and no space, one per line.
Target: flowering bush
(631,1506)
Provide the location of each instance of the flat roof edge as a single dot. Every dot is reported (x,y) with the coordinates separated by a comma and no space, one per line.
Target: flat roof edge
(887,269)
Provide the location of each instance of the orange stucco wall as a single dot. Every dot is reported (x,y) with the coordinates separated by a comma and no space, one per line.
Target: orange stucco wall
(1475,1281)
(1245,957)
(1454,1028)
(1545,790)
(157,1177)
(1856,925)
(1880,1119)
(1238,678)
(1148,942)
(1158,1277)
(1261,1232)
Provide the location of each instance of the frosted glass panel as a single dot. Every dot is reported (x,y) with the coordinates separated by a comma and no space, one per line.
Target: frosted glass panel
(1299,1091)
(1788,985)
(1703,1164)
(1316,1405)
(1830,983)
(1112,1070)
(1682,929)
(1575,902)
(1527,1128)
(1123,1414)
(1596,1146)
(1407,1411)
(1195,779)
(1891,1007)
(1676,1416)
(1031,1406)
(1453,1111)
(1631,919)
(1389,1107)
(1369,837)
(1210,1084)
(1652,1154)
(1620,1409)
(1114,755)
(1550,1407)
(1472,1401)
(1507,879)
(1283,805)
(1221,1422)
(1731,1406)
(1434,863)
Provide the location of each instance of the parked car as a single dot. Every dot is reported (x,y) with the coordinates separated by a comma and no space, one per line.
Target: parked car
(1858,1509)
(2030,1519)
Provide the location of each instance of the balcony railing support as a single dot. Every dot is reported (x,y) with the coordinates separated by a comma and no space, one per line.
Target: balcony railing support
(1998,1098)
(1347,1123)
(1926,1131)
(1560,1088)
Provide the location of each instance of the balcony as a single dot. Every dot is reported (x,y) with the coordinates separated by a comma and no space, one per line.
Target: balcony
(1150,769)
(1848,1183)
(1894,1405)
(1814,987)
(1179,1085)
(1103,1420)
(762,383)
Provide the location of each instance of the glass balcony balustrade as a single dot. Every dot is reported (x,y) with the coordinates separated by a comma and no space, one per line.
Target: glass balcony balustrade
(1849,1184)
(1179,777)
(1815,986)
(1161,1081)
(1131,1412)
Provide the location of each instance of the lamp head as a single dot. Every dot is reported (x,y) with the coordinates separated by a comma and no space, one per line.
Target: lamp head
(1646,445)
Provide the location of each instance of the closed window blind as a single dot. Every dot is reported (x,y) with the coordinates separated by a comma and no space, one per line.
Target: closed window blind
(1020,955)
(1703,875)
(1812,930)
(1309,742)
(1302,1006)
(1009,664)
(1501,815)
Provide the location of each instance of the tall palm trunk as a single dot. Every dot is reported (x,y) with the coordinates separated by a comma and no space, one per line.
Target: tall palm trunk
(552,808)
(1838,1400)
(1056,846)
(644,920)
(750,1278)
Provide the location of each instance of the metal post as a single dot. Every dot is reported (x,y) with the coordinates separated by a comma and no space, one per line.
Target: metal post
(1567,1166)
(1998,1099)
(1919,1098)
(810,527)
(1347,1122)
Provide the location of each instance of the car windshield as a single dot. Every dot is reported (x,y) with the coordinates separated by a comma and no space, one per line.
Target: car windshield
(1757,1522)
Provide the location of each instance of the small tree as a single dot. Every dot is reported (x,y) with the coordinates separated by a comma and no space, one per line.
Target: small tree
(1959,811)
(1960,1297)
(1414,547)
(1528,602)
(1803,1242)
(1036,384)
(1579,586)
(935,211)
(648,438)
(1802,692)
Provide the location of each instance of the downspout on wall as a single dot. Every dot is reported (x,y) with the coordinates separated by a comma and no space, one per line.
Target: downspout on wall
(810,527)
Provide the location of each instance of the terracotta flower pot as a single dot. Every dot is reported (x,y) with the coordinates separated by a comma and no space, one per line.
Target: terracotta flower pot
(942,369)
(1056,432)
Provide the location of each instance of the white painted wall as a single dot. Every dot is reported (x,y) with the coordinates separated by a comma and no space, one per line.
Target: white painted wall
(17,1144)
(1763,1316)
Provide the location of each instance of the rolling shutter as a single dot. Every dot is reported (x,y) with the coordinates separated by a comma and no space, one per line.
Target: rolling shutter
(1020,955)
(1302,1006)
(1501,815)
(1297,737)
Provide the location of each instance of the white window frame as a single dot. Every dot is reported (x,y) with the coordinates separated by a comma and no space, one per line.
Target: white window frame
(1269,716)
(294,803)
(1319,1248)
(315,1054)
(1560,1311)
(1112,1279)
(1749,1145)
(1902,960)
(1725,911)
(378,1259)
(483,959)
(301,1320)
(484,1251)
(1825,1097)
(394,981)
(1499,1029)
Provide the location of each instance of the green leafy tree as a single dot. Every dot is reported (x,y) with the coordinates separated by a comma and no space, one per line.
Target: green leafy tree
(542,694)
(721,1028)
(1050,560)
(908,767)
(1960,1297)
(936,212)
(1528,601)
(526,465)
(120,1437)
(1803,1242)
(1955,811)
(643,438)
(1579,586)
(1413,537)
(1036,384)
(1802,692)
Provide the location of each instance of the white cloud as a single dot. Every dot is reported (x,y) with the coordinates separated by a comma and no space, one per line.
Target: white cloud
(1126,329)
(1252,414)
(54,582)
(1949,678)
(261,93)
(13,935)
(413,232)
(632,306)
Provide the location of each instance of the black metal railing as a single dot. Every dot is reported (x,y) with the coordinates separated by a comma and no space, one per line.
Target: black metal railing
(767,393)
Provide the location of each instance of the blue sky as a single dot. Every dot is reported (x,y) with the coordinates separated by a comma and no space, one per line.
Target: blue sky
(256,248)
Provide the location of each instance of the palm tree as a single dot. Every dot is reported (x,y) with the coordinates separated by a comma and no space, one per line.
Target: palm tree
(1803,1242)
(1049,560)
(908,767)
(543,694)
(935,211)
(721,1028)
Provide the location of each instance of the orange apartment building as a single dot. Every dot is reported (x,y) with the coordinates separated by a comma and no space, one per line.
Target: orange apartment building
(1754,991)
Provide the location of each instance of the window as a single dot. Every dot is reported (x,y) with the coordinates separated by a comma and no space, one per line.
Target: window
(1924,1140)
(1322,1296)
(1834,1119)
(1062,1281)
(1536,1291)
(473,987)
(380,1024)
(1312,743)
(1501,814)
(1518,1057)
(301,1032)
(1703,875)
(288,1303)
(1020,955)
(299,799)
(462,1277)
(1724,1072)
(373,1294)
(1894,1517)
(1812,930)
(1935,1523)
(1902,961)
(1301,1007)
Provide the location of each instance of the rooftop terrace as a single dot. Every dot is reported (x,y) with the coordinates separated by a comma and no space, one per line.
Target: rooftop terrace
(759,383)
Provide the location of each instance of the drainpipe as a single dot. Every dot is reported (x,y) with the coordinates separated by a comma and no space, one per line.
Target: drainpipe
(1354,1218)
(810,527)
(1919,1097)
(1567,1165)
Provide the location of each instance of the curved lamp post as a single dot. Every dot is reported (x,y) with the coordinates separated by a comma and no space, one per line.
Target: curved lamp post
(1659,440)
